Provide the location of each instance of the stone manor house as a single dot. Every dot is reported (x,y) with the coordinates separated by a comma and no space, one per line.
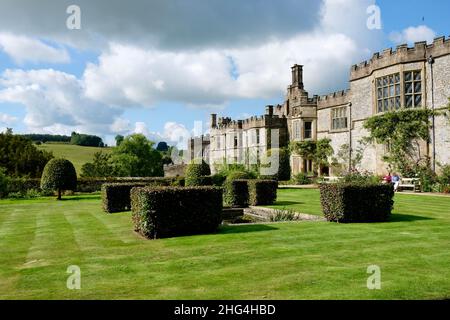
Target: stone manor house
(407,78)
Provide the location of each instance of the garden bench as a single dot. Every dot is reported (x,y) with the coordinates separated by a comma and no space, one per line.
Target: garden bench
(330,179)
(411,183)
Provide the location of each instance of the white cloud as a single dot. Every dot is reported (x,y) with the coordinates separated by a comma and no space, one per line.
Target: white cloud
(141,128)
(128,75)
(413,34)
(120,125)
(171,24)
(54,99)
(7,119)
(25,49)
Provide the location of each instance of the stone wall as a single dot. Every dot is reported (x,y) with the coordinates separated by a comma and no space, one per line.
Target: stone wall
(175,170)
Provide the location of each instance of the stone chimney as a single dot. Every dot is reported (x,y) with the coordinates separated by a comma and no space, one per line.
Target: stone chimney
(297,76)
(269,111)
(213,123)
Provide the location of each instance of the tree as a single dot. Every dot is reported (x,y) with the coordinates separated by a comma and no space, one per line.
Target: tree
(317,151)
(20,157)
(162,147)
(86,140)
(59,174)
(119,139)
(136,157)
(284,166)
(195,170)
(4,180)
(101,166)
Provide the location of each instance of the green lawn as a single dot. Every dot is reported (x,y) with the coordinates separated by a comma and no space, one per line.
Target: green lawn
(78,155)
(301,201)
(40,238)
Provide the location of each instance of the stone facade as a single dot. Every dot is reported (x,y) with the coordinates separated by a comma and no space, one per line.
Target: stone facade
(245,141)
(390,80)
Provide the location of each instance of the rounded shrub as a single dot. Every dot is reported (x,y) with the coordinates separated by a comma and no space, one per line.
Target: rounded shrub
(59,174)
(195,173)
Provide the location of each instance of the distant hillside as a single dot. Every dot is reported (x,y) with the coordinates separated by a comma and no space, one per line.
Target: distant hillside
(75,138)
(78,155)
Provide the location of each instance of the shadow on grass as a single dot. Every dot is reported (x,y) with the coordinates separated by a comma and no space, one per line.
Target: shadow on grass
(399,217)
(287,203)
(245,228)
(79,198)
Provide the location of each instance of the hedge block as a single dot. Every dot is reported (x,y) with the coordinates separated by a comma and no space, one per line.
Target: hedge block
(162,212)
(262,192)
(116,196)
(236,193)
(349,203)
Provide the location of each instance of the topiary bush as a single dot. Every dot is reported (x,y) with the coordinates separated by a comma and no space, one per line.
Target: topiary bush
(350,203)
(162,212)
(235,189)
(195,171)
(59,174)
(236,193)
(262,192)
(116,196)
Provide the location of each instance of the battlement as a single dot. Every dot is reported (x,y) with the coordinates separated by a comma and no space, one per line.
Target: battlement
(402,54)
(252,122)
(333,99)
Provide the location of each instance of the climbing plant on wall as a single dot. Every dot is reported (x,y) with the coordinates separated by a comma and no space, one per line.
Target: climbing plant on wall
(402,132)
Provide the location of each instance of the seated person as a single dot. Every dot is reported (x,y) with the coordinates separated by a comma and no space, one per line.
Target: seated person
(387,178)
(395,181)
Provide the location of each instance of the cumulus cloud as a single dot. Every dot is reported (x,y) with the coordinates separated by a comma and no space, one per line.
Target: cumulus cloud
(54,98)
(25,49)
(120,126)
(129,75)
(205,67)
(7,119)
(413,34)
(168,24)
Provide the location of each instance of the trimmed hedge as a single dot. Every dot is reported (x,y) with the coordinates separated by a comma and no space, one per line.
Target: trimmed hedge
(262,192)
(218,179)
(235,193)
(22,185)
(350,203)
(162,212)
(196,172)
(116,196)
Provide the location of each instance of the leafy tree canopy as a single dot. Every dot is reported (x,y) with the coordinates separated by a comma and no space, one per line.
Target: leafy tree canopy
(19,157)
(136,157)
(101,166)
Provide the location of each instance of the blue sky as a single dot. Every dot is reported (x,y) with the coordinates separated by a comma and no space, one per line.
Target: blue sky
(119,74)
